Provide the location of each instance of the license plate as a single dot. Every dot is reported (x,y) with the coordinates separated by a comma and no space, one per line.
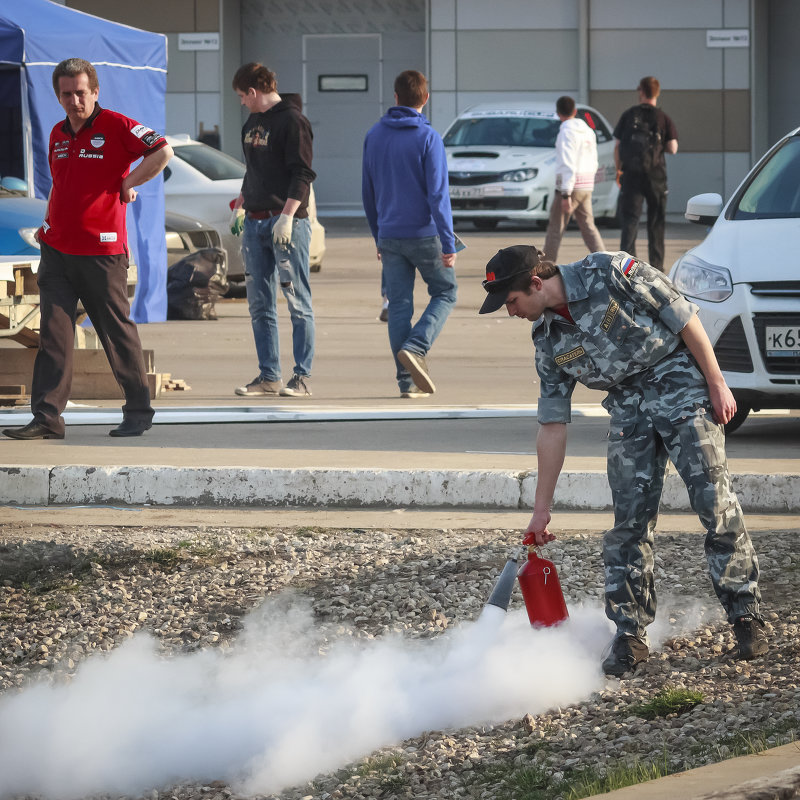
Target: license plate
(461,192)
(783,340)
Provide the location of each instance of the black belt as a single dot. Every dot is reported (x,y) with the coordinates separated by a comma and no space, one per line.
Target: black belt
(265,214)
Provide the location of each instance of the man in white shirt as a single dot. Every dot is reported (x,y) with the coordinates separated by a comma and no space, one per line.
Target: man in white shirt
(576,165)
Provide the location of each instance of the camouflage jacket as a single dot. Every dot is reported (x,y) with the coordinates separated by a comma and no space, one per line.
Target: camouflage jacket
(628,317)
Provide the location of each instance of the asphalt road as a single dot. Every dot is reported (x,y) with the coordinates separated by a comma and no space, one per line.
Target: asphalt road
(478,361)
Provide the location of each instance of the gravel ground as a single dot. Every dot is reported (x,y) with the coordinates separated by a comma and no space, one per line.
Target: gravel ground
(68,592)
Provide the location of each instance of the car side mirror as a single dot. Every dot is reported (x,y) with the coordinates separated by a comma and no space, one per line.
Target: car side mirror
(13,184)
(704,208)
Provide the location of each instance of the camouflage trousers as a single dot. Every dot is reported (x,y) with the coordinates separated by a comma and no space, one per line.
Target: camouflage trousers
(665,412)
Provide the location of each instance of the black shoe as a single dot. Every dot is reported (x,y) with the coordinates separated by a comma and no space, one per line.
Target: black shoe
(33,430)
(131,427)
(751,637)
(626,652)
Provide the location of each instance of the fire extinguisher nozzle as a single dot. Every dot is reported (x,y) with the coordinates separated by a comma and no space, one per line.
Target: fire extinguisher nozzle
(501,594)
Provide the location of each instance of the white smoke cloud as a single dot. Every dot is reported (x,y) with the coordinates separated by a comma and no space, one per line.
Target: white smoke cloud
(273,711)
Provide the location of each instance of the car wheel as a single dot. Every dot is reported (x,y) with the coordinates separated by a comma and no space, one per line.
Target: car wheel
(485,224)
(738,418)
(612,220)
(236,289)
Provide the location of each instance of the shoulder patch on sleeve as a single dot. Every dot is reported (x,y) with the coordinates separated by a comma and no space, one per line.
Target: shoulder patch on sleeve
(608,317)
(139,130)
(151,137)
(629,267)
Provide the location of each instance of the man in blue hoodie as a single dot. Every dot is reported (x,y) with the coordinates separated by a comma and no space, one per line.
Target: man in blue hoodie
(407,201)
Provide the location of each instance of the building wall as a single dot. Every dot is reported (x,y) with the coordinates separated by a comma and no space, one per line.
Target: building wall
(729,104)
(194,78)
(302,40)
(596,51)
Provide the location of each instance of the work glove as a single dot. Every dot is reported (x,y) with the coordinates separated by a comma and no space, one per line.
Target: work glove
(282,230)
(237,221)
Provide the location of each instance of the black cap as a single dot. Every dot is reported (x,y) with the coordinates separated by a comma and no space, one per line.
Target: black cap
(503,267)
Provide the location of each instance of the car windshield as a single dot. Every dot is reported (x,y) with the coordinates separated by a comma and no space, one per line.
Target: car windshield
(774,191)
(503,131)
(216,166)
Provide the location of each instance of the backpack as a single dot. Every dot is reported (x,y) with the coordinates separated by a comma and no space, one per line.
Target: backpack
(641,150)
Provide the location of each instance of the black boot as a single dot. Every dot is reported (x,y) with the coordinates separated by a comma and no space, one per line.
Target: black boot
(626,652)
(751,638)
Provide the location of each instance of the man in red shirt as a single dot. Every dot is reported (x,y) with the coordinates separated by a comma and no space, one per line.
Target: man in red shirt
(84,245)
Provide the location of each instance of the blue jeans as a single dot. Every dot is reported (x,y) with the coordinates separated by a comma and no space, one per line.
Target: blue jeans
(261,258)
(401,258)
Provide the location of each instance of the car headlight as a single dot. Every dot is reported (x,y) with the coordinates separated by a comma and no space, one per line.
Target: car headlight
(697,279)
(519,175)
(28,236)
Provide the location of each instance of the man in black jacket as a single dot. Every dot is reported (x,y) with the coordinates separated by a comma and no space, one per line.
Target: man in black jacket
(643,134)
(272,214)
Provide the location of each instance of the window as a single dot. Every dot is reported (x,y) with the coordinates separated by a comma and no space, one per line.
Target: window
(216,166)
(596,124)
(343,83)
(774,191)
(503,132)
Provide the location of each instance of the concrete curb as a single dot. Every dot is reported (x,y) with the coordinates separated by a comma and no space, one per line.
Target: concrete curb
(784,785)
(368,488)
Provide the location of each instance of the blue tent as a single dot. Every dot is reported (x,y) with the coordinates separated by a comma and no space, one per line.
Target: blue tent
(131,64)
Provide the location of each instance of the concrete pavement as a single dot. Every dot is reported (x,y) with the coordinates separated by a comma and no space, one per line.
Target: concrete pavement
(356,442)
(456,458)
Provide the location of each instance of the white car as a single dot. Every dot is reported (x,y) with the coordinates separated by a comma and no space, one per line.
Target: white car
(745,276)
(501,162)
(201,182)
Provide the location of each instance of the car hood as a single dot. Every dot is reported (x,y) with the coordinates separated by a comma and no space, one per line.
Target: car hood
(497,159)
(757,249)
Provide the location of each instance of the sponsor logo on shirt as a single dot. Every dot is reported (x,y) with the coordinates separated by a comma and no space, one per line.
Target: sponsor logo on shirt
(608,317)
(108,237)
(59,146)
(62,155)
(565,358)
(139,131)
(97,141)
(151,138)
(257,137)
(84,154)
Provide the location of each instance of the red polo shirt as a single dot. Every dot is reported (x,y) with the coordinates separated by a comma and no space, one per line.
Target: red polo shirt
(85,215)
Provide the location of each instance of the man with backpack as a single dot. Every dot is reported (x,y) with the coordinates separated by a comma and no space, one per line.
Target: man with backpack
(643,134)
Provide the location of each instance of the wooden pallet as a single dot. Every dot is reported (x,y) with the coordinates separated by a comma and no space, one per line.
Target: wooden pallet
(92,378)
(13,395)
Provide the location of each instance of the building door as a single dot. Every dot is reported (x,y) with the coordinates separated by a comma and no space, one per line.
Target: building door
(342,92)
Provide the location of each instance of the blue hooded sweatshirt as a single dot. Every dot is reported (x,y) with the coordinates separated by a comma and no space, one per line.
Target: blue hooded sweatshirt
(404,179)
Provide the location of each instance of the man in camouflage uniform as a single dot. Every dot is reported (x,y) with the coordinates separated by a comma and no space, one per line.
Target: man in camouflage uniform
(614,323)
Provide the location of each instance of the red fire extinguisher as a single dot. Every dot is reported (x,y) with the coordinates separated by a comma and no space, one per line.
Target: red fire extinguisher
(541,591)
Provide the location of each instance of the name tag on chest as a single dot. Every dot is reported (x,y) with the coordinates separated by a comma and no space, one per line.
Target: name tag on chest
(565,358)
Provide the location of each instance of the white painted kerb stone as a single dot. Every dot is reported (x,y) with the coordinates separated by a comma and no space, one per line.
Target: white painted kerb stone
(249,486)
(24,486)
(291,487)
